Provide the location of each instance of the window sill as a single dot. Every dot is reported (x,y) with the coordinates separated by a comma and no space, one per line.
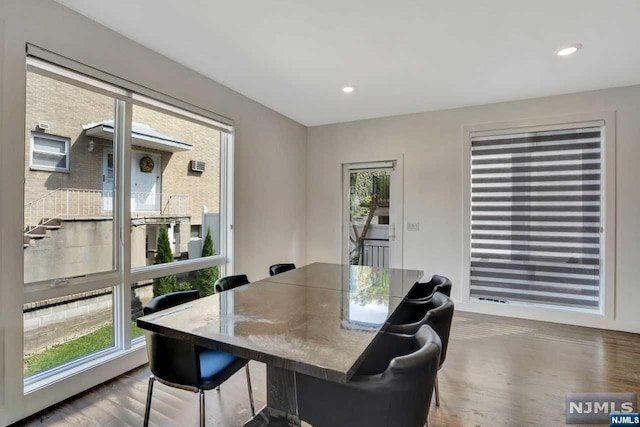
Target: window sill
(79,366)
(39,169)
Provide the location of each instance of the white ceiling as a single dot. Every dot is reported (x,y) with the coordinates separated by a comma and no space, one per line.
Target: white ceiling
(403,56)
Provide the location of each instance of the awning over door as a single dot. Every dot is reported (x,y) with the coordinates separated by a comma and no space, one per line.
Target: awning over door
(141,136)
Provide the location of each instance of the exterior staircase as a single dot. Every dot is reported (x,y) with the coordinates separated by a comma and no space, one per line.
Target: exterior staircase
(41,231)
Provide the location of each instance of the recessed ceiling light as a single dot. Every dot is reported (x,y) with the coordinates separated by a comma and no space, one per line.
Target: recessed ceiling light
(568,50)
(348,89)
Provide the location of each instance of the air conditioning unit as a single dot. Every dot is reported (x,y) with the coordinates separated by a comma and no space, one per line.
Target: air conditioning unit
(197,165)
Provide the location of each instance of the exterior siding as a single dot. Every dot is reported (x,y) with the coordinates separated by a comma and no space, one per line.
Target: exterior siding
(177,177)
(66,108)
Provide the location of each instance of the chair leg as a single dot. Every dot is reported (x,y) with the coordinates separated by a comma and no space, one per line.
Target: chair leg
(253,410)
(147,409)
(437,389)
(202,408)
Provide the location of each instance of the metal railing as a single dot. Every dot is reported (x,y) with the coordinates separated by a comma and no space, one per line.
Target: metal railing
(375,253)
(75,203)
(162,204)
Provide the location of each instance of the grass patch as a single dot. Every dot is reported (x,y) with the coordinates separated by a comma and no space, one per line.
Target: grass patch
(59,354)
(135,331)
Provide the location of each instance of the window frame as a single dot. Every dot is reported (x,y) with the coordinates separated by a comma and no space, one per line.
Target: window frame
(66,155)
(48,376)
(588,317)
(123,276)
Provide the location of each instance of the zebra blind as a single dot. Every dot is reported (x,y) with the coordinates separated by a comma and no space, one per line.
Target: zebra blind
(535,217)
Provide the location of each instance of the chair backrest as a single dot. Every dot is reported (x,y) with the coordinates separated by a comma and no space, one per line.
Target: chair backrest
(172,359)
(412,378)
(280,268)
(230,282)
(426,290)
(169,300)
(439,318)
(391,388)
(442,285)
(411,312)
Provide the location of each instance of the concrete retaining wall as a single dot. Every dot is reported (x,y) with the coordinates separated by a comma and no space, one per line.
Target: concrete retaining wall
(48,326)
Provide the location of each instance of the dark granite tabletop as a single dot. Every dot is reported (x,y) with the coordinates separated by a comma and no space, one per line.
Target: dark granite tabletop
(319,319)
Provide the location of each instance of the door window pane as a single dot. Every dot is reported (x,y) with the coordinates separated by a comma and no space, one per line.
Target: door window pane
(67,230)
(175,188)
(369,217)
(60,330)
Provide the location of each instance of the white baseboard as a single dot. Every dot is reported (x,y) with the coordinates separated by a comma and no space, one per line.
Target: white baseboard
(545,314)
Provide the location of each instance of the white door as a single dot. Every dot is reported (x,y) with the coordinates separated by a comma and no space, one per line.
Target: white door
(146,172)
(107,180)
(372,214)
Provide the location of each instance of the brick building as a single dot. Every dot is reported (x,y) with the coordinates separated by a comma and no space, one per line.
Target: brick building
(69,175)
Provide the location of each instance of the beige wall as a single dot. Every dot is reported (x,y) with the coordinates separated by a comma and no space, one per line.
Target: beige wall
(432,146)
(270,157)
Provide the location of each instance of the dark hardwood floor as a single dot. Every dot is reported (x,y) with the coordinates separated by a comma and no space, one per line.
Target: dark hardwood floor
(499,372)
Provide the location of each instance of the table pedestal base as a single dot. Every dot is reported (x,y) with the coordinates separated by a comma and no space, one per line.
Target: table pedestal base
(282,401)
(272,418)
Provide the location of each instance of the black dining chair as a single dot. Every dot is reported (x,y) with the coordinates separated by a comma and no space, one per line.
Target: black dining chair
(181,364)
(423,291)
(392,387)
(230,282)
(280,268)
(437,312)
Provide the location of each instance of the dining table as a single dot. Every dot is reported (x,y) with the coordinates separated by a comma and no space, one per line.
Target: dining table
(320,320)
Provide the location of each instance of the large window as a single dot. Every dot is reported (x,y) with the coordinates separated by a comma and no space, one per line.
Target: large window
(145,200)
(536,216)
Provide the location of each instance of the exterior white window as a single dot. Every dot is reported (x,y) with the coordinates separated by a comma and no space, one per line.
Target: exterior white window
(539,203)
(49,152)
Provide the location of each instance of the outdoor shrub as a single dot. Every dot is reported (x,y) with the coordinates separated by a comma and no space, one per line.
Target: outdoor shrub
(207,276)
(184,286)
(166,284)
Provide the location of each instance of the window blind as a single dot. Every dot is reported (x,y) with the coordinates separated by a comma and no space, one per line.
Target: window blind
(535,217)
